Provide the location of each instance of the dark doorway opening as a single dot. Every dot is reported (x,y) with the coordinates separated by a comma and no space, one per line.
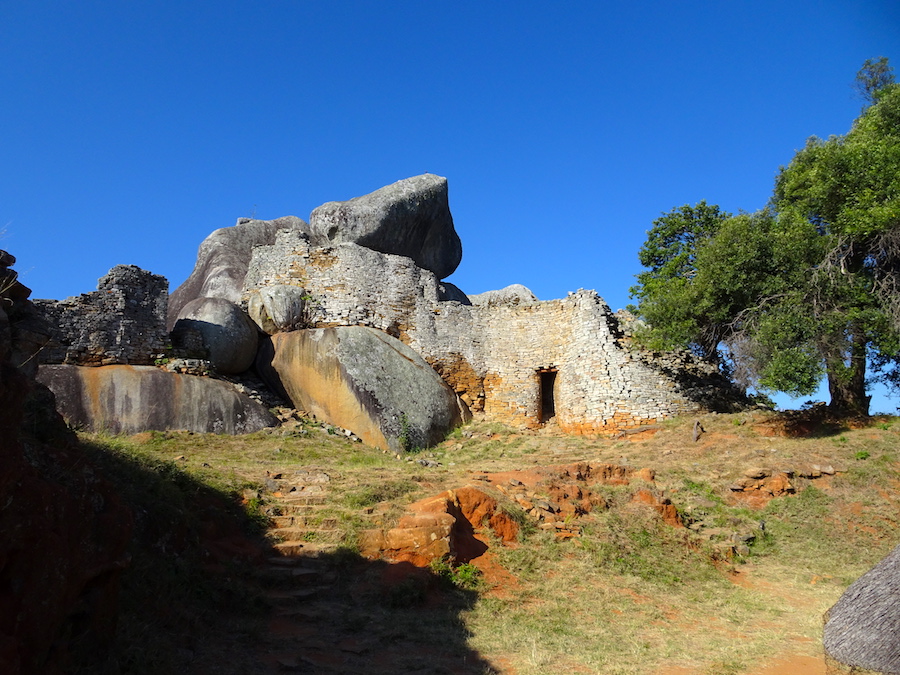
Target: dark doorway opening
(547,381)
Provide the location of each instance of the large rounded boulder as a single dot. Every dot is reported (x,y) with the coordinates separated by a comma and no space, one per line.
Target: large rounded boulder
(226,332)
(410,218)
(278,308)
(364,380)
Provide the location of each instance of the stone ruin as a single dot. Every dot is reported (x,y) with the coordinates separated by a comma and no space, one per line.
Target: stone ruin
(517,360)
(123,321)
(292,300)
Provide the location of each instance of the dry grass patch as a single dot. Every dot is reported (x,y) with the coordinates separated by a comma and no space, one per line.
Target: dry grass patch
(629,594)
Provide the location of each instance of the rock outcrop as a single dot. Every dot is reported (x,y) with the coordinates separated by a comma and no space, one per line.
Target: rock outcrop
(227,334)
(364,380)
(131,399)
(222,261)
(861,628)
(377,261)
(442,527)
(448,292)
(278,308)
(63,529)
(23,331)
(514,294)
(410,218)
(521,362)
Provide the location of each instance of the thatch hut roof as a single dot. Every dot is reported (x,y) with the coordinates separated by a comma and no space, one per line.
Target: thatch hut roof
(862,629)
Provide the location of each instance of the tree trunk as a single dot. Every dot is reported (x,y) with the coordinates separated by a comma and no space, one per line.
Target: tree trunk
(847,381)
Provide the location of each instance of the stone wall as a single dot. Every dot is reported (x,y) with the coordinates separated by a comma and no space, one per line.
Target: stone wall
(122,322)
(491,355)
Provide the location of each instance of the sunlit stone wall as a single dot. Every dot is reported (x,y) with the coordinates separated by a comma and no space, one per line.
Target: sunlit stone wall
(491,355)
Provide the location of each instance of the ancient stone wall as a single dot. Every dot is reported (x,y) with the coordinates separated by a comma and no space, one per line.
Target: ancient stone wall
(122,322)
(597,385)
(347,284)
(492,355)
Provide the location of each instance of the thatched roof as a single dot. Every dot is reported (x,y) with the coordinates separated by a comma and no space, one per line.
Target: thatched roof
(863,627)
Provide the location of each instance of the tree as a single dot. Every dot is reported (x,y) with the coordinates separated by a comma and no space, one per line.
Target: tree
(806,287)
(665,290)
(849,188)
(874,76)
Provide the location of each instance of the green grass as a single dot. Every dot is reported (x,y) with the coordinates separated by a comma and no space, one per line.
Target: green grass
(371,494)
(629,595)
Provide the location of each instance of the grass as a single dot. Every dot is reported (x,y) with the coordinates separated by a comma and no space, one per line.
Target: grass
(175,595)
(629,595)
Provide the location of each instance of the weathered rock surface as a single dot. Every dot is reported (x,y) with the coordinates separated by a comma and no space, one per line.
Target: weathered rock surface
(227,333)
(492,354)
(131,399)
(364,380)
(861,628)
(278,308)
(222,261)
(63,529)
(441,527)
(410,218)
(514,294)
(24,332)
(447,292)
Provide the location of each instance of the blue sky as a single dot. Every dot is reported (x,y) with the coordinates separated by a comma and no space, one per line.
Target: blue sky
(131,129)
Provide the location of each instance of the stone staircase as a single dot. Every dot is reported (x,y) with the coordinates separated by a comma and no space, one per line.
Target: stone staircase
(295,505)
(335,613)
(299,580)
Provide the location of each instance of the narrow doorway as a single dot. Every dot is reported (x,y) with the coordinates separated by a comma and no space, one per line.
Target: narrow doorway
(547,382)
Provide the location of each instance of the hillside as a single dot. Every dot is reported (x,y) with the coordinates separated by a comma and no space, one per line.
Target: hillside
(246,556)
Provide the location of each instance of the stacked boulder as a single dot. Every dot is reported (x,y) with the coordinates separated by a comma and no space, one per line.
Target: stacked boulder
(351,376)
(355,377)
(410,218)
(205,309)
(96,355)
(349,317)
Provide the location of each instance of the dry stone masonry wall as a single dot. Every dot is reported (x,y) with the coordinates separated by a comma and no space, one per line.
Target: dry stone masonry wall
(122,322)
(377,261)
(499,357)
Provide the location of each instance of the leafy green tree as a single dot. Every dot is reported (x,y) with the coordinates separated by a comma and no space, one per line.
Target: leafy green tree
(875,75)
(808,286)
(849,188)
(666,290)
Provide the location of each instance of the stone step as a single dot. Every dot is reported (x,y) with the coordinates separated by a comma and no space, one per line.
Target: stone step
(286,577)
(302,548)
(301,520)
(302,501)
(291,508)
(281,521)
(287,601)
(299,532)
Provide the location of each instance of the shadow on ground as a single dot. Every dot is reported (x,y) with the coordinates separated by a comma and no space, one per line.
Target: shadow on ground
(207,594)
